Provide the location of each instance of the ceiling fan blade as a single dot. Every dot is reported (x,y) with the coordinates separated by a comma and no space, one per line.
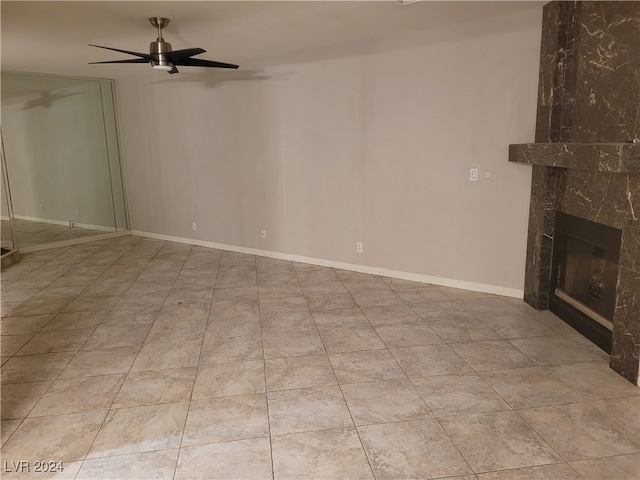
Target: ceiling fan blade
(137,54)
(131,60)
(196,62)
(177,55)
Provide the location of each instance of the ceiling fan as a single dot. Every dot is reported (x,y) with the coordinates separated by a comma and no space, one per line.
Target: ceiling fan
(161,57)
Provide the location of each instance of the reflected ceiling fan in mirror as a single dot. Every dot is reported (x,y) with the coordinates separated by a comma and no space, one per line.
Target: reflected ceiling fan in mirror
(161,57)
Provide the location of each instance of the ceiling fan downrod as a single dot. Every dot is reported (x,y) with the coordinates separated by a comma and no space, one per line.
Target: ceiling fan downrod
(159,23)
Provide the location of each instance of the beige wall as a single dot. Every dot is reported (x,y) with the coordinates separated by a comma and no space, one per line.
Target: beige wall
(369,143)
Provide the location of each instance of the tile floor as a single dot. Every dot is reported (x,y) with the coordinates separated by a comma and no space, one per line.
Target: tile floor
(29,233)
(136,358)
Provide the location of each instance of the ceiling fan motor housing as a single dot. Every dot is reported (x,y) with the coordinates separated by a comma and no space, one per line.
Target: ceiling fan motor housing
(158,49)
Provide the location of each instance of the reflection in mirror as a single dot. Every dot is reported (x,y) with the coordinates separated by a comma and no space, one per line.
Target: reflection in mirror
(9,252)
(62,156)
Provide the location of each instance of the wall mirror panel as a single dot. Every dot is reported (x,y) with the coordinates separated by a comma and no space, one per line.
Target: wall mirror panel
(62,159)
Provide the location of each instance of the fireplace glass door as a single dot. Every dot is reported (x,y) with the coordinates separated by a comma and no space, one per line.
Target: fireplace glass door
(585,275)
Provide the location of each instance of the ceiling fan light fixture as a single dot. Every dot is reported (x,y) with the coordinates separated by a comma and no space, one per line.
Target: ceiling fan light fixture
(162,57)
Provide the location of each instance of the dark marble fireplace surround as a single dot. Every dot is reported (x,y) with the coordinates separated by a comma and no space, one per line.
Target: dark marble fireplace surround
(584,160)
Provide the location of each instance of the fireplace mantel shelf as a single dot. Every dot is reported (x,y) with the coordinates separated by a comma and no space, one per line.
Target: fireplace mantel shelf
(604,157)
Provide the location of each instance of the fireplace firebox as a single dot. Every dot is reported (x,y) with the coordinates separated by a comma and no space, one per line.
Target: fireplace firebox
(584,276)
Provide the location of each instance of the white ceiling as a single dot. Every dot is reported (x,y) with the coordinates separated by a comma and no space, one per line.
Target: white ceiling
(53,37)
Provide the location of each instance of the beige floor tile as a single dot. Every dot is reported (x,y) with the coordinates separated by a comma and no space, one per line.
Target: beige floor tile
(184,294)
(594,381)
(60,437)
(384,402)
(245,459)
(360,282)
(492,355)
(76,320)
(292,344)
(288,287)
(425,361)
(227,297)
(34,368)
(162,356)
(325,287)
(488,307)
(498,441)
(320,455)
(552,350)
(399,285)
(236,276)
(140,429)
(435,311)
(76,395)
(578,431)
(19,398)
(413,449)
(88,363)
(234,327)
(54,342)
(155,387)
(226,419)
(307,409)
(227,379)
(368,366)
(230,350)
(39,307)
(158,465)
(329,301)
(180,313)
(141,301)
(560,471)
(516,326)
(228,258)
(458,394)
(225,306)
(10,344)
(221,304)
(462,330)
(131,316)
(87,303)
(169,329)
(379,298)
(408,334)
(625,411)
(530,387)
(25,323)
(18,294)
(343,339)
(274,323)
(389,314)
(461,294)
(299,372)
(7,427)
(284,304)
(351,317)
(105,337)
(105,289)
(421,295)
(623,467)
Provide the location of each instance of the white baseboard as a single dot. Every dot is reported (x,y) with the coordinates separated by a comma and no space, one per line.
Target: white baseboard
(415,277)
(63,223)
